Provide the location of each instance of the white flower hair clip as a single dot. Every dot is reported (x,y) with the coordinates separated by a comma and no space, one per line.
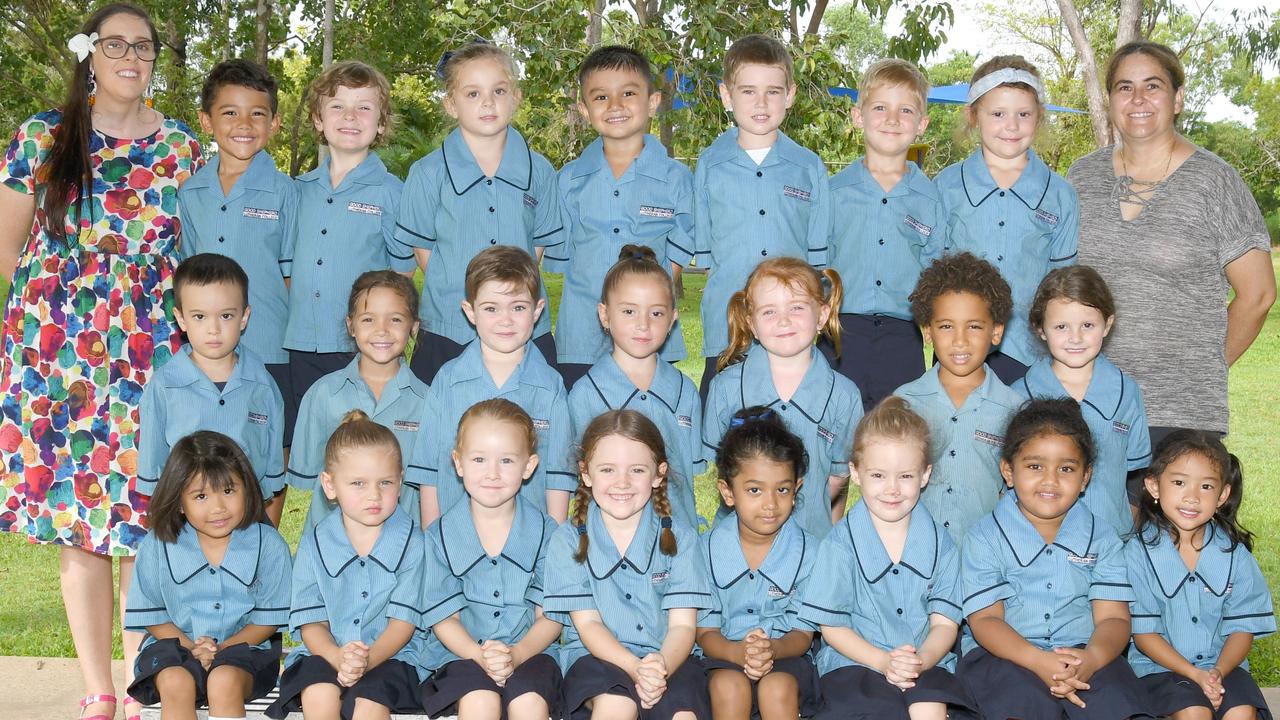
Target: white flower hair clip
(82,45)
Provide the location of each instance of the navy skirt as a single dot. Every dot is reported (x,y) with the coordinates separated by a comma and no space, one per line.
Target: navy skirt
(262,665)
(393,684)
(591,676)
(1002,689)
(801,668)
(1168,693)
(539,675)
(859,692)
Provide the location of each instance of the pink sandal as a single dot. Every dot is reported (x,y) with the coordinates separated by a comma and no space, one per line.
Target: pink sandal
(91,699)
(129,700)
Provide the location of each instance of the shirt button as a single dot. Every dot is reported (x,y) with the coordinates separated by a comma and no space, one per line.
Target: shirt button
(1195,619)
(751,611)
(1000,258)
(496,613)
(1001,223)
(783,407)
(1046,616)
(1199,657)
(1191,578)
(212,571)
(881,241)
(751,576)
(221,401)
(644,396)
(616,231)
(361,563)
(320,261)
(217,606)
(324,231)
(628,596)
(895,571)
(953,453)
(495,593)
(364,594)
(955,419)
(759,174)
(317,294)
(489,181)
(884,201)
(224,208)
(878,283)
(492,241)
(222,239)
(950,491)
(1048,586)
(946,524)
(356,621)
(491,209)
(330,201)
(761,211)
(764,252)
(1001,193)
(615,193)
(1048,551)
(493,562)
(639,627)
(899,611)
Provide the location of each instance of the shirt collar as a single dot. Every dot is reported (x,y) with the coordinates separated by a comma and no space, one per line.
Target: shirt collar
(650,162)
(985,392)
(368,172)
(919,554)
(1031,188)
(240,560)
(811,398)
(259,176)
(532,370)
(185,372)
(602,555)
(1104,394)
(1212,569)
(725,149)
(1075,535)
(516,168)
(781,567)
(461,542)
(913,180)
(336,552)
(616,389)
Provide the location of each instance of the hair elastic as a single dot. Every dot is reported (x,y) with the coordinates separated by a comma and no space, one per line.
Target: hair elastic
(666,522)
(1005,76)
(582,529)
(766,415)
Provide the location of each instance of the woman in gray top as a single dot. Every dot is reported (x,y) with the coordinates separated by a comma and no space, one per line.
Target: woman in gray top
(1171,227)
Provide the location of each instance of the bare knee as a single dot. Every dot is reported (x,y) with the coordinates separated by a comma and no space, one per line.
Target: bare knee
(1241,712)
(231,682)
(367,709)
(480,704)
(727,682)
(321,700)
(778,695)
(613,707)
(529,706)
(175,684)
(1194,713)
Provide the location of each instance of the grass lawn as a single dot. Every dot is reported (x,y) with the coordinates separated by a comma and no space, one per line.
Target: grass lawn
(32,620)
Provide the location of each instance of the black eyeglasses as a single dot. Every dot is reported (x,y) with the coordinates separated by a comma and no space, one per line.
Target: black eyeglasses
(116,48)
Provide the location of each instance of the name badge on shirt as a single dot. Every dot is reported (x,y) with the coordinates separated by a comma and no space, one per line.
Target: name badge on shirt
(530,201)
(1087,560)
(795,192)
(826,434)
(1120,427)
(988,438)
(657,212)
(363,208)
(775,592)
(659,577)
(684,421)
(406,425)
(540,424)
(261,214)
(918,226)
(1046,217)
(258,418)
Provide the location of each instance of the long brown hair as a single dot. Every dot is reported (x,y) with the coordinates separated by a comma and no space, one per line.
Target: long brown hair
(632,426)
(68,170)
(208,457)
(822,287)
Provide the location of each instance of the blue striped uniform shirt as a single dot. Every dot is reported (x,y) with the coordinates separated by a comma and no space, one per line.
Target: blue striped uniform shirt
(255,225)
(174,583)
(1025,231)
(342,232)
(880,241)
(823,413)
(744,213)
(181,399)
(465,381)
(1195,610)
(452,209)
(398,409)
(857,585)
(631,591)
(650,205)
(767,597)
(671,402)
(1047,589)
(357,595)
(1117,417)
(966,480)
(495,598)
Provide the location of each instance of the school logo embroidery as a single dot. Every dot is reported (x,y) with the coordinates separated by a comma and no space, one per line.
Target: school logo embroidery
(659,577)
(258,418)
(540,424)
(1046,217)
(794,192)
(261,214)
(657,212)
(775,592)
(988,438)
(406,425)
(684,421)
(530,201)
(918,226)
(826,434)
(363,208)
(1088,560)
(1120,427)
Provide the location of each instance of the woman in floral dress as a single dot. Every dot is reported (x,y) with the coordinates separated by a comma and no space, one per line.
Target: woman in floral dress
(88,224)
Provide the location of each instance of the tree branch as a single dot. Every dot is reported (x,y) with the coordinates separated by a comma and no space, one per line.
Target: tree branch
(1089,64)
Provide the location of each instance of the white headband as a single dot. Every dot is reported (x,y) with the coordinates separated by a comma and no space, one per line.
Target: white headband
(1004,76)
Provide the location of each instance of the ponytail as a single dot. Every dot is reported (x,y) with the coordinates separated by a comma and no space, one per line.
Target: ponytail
(581,503)
(662,506)
(739,318)
(821,286)
(833,295)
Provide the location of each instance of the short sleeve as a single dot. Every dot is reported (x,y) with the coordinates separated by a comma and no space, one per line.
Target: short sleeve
(273,588)
(716,416)
(145,607)
(536,592)
(819,218)
(548,228)
(829,594)
(680,241)
(1138,450)
(419,201)
(711,616)
(1248,606)
(424,462)
(153,448)
(701,216)
(1063,245)
(443,595)
(307,604)
(944,598)
(190,229)
(687,586)
(306,454)
(1145,610)
(27,150)
(1235,218)
(399,252)
(560,440)
(568,582)
(1110,580)
(697,448)
(292,217)
(845,424)
(404,602)
(982,579)
(273,474)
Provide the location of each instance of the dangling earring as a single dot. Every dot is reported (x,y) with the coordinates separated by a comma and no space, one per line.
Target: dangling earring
(93,87)
(148,98)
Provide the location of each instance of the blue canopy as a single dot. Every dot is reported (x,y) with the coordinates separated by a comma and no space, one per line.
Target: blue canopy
(957,94)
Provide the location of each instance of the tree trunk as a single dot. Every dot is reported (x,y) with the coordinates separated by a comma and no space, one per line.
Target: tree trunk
(1128,29)
(326,59)
(1089,68)
(815,20)
(596,26)
(262,19)
(295,139)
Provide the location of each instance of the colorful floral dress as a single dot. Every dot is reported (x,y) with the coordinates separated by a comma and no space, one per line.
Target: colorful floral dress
(87,321)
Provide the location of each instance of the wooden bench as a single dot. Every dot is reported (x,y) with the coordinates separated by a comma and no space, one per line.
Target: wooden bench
(255,709)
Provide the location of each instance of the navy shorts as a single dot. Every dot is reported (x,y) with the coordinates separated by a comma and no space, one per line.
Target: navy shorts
(282,373)
(1169,692)
(858,692)
(393,684)
(1006,368)
(305,368)
(432,351)
(591,676)
(801,668)
(539,675)
(878,353)
(262,665)
(1002,689)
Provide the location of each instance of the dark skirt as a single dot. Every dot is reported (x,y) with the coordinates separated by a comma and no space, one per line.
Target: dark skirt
(801,668)
(539,675)
(878,353)
(1002,689)
(1167,693)
(859,692)
(393,684)
(590,676)
(262,665)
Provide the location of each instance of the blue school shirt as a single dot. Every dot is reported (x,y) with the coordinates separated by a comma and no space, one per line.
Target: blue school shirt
(181,399)
(255,225)
(495,597)
(358,595)
(880,241)
(632,591)
(174,583)
(856,585)
(1113,408)
(399,409)
(1195,611)
(745,213)
(823,413)
(1047,590)
(768,597)
(671,402)
(342,232)
(966,480)
(452,209)
(1024,231)
(465,381)
(650,205)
